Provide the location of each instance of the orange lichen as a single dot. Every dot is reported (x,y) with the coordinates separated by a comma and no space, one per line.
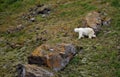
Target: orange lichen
(52,54)
(37,52)
(54,61)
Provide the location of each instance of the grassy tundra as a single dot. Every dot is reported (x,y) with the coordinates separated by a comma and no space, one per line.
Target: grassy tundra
(100,56)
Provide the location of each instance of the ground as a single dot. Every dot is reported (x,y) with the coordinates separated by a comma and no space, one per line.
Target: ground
(100,56)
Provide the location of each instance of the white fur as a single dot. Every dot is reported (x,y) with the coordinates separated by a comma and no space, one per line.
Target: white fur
(85,32)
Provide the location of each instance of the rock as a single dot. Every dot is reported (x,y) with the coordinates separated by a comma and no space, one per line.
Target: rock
(44,11)
(37,28)
(15,45)
(10,30)
(32,19)
(43,15)
(19,27)
(32,71)
(118,47)
(93,20)
(84,60)
(39,9)
(106,21)
(15,29)
(55,57)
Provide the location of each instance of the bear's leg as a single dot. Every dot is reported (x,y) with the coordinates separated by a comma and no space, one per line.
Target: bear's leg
(80,35)
(94,36)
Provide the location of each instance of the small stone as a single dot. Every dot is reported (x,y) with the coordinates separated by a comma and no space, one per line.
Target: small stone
(19,27)
(84,60)
(37,28)
(51,49)
(32,19)
(106,21)
(44,15)
(118,47)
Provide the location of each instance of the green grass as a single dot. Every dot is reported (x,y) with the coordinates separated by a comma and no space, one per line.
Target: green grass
(99,57)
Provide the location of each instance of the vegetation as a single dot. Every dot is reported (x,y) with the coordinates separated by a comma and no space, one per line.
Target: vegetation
(100,57)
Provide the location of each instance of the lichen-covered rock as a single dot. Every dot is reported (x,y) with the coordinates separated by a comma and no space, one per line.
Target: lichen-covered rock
(54,56)
(95,20)
(33,71)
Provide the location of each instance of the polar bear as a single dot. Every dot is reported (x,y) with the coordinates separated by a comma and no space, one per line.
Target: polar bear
(85,32)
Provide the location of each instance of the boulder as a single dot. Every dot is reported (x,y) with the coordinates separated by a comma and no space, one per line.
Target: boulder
(55,57)
(93,20)
(33,71)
